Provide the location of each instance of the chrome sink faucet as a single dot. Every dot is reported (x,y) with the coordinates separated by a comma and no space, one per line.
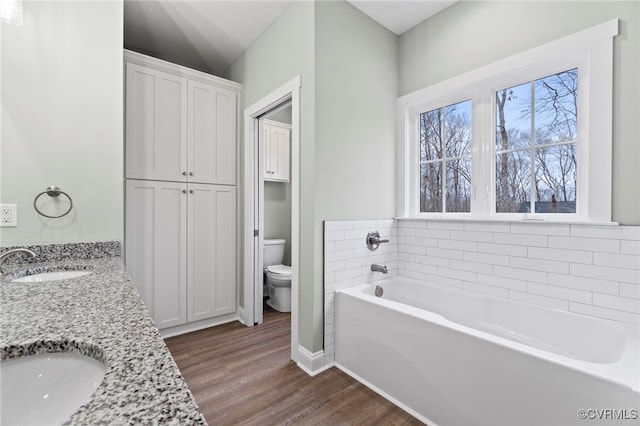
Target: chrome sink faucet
(30,254)
(376,267)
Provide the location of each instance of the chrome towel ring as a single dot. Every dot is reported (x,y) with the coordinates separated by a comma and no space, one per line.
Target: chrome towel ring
(52,191)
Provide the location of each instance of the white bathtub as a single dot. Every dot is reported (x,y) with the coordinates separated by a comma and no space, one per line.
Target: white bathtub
(450,357)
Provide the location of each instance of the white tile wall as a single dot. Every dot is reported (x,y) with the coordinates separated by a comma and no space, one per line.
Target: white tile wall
(592,270)
(347,263)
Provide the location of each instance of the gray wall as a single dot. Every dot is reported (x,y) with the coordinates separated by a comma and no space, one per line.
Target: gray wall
(283,116)
(353,60)
(356,81)
(277,214)
(471,34)
(62,121)
(353,70)
(284,50)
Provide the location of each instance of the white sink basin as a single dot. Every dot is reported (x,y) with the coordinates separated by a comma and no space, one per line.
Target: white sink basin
(48,388)
(50,276)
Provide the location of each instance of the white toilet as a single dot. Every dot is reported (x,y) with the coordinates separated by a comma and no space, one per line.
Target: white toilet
(278,275)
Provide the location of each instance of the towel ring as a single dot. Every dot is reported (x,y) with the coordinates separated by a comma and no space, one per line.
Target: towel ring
(52,191)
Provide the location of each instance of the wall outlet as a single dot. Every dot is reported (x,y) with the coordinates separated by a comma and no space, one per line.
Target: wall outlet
(8,215)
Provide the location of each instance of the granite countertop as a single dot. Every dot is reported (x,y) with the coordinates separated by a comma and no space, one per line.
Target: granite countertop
(100,315)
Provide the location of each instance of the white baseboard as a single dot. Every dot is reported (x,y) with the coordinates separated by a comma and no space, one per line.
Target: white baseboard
(198,325)
(312,363)
(241,317)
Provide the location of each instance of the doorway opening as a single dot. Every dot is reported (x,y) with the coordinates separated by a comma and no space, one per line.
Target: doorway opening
(281,105)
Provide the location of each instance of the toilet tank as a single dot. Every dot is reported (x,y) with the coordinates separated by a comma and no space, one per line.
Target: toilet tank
(273,252)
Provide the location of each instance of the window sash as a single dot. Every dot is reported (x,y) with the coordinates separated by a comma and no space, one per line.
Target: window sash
(530,76)
(442,103)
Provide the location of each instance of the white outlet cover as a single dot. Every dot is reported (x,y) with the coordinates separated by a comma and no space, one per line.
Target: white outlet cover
(8,215)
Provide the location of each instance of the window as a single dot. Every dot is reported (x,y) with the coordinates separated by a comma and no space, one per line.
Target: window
(445,159)
(536,145)
(528,137)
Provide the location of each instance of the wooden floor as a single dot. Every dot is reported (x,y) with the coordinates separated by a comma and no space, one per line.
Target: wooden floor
(243,376)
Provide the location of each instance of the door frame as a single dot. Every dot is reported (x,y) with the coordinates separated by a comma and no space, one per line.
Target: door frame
(254,210)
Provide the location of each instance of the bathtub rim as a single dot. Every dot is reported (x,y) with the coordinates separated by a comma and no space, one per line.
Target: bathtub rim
(624,372)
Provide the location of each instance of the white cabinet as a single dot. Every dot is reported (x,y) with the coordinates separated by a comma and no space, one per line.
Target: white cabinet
(211,248)
(155,128)
(156,247)
(180,220)
(211,136)
(276,142)
(181,249)
(179,129)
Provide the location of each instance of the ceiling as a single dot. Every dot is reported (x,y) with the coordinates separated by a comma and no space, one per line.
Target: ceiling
(401,15)
(209,35)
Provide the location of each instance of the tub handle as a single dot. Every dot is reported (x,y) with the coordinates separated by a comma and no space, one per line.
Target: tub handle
(374,240)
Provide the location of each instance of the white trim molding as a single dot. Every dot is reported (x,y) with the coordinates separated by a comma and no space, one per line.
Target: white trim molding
(252,173)
(241,316)
(160,65)
(198,325)
(312,363)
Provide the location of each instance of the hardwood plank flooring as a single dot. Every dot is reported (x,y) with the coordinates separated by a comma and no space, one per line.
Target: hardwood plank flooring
(243,376)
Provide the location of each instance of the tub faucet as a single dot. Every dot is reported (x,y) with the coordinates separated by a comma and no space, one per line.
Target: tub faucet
(30,254)
(376,267)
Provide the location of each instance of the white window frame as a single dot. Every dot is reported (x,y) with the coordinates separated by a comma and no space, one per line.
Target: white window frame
(414,166)
(591,51)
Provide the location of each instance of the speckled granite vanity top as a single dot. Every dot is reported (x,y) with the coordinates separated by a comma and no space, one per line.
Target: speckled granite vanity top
(100,315)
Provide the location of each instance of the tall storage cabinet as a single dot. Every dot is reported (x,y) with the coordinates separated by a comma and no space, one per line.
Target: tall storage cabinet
(180,221)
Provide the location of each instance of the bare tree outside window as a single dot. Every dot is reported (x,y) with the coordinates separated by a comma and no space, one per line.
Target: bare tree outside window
(536,145)
(445,159)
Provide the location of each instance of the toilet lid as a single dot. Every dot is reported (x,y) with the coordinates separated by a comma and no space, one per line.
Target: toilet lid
(280,269)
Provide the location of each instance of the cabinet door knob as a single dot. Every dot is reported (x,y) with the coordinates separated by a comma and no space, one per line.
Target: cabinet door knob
(190,173)
(184,191)
(184,173)
(191,191)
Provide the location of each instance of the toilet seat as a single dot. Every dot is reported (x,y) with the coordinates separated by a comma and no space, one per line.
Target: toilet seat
(280,270)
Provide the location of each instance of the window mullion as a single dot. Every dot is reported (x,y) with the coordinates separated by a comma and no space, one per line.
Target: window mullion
(444,164)
(545,145)
(533,192)
(481,146)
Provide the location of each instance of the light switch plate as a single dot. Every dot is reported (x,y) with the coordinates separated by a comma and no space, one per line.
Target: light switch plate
(8,215)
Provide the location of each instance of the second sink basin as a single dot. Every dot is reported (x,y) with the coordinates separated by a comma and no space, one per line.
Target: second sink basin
(47,388)
(51,276)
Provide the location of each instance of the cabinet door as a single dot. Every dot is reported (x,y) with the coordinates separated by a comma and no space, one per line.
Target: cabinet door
(155,247)
(156,118)
(280,144)
(211,287)
(266,148)
(276,152)
(211,135)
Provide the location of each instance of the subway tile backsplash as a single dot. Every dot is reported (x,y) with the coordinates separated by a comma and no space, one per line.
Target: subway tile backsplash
(592,270)
(347,263)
